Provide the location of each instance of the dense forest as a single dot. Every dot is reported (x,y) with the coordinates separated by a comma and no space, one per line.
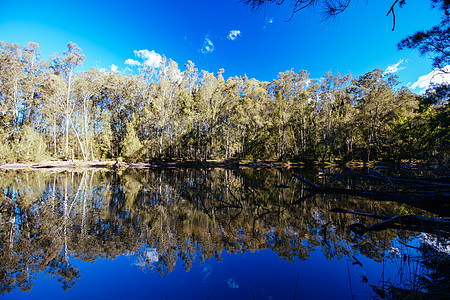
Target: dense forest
(51,110)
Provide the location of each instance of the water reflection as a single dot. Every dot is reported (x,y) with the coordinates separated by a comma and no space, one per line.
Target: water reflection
(166,219)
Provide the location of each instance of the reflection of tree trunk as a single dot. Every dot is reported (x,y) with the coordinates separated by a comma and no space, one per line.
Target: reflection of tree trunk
(65,220)
(11,232)
(84,204)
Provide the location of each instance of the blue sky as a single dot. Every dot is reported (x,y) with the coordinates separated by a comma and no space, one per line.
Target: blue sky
(110,32)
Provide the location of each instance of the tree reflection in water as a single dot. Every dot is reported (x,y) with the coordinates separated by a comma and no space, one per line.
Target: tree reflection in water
(186,216)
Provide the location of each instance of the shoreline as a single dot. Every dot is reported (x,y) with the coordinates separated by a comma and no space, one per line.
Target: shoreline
(114,165)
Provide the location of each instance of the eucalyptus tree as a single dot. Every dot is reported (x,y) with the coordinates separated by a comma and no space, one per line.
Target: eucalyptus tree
(427,133)
(332,99)
(16,63)
(117,101)
(64,66)
(165,105)
(52,99)
(187,115)
(378,106)
(131,145)
(291,101)
(208,105)
(252,120)
(86,87)
(346,125)
(11,77)
(143,113)
(228,116)
(396,138)
(20,80)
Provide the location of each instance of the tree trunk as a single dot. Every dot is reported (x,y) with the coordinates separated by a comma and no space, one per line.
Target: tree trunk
(67,113)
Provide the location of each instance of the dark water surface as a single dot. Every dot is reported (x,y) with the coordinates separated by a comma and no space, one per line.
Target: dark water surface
(197,234)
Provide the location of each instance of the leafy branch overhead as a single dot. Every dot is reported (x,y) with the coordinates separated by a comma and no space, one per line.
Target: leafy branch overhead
(327,8)
(434,42)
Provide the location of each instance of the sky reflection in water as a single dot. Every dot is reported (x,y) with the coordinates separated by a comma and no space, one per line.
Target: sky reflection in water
(270,278)
(241,234)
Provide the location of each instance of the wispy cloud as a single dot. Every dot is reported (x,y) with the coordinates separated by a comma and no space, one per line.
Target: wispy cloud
(150,58)
(114,68)
(394,68)
(437,76)
(268,21)
(208,46)
(132,62)
(234,34)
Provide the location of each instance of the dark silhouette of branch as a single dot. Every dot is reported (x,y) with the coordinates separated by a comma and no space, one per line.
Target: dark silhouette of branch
(434,42)
(329,8)
(393,14)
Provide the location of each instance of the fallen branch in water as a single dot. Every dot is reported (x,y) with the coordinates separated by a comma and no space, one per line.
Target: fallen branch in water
(437,202)
(406,222)
(340,210)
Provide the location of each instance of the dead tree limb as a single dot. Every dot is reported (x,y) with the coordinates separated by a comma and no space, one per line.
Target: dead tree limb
(406,222)
(340,210)
(437,202)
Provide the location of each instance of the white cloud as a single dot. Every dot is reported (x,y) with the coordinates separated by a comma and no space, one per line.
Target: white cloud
(234,34)
(208,46)
(151,58)
(437,76)
(114,68)
(132,62)
(127,71)
(269,20)
(395,67)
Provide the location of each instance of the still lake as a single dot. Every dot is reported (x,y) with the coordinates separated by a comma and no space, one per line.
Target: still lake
(196,234)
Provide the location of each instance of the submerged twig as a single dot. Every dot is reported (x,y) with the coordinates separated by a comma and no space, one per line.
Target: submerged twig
(251,290)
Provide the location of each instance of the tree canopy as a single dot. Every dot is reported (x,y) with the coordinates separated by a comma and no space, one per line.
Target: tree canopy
(434,42)
(49,110)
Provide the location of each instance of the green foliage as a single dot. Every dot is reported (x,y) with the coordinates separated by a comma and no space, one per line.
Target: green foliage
(30,146)
(167,114)
(132,148)
(6,153)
